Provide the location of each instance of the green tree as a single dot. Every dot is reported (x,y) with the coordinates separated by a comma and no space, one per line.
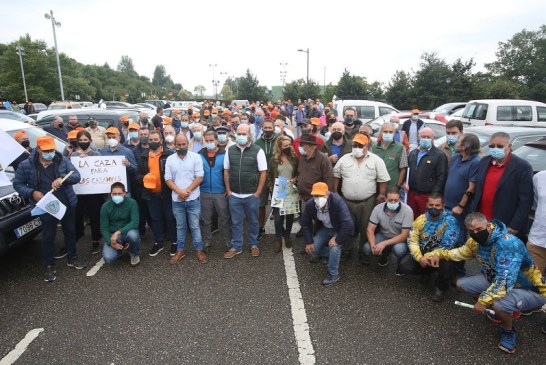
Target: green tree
(199,89)
(431,80)
(161,79)
(293,90)
(226,92)
(125,65)
(249,87)
(329,93)
(399,91)
(311,90)
(352,87)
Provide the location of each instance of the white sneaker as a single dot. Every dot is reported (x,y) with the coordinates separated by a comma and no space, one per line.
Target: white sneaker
(135,260)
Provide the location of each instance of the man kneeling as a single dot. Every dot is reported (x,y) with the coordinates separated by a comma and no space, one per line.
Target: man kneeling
(119,226)
(509,283)
(329,210)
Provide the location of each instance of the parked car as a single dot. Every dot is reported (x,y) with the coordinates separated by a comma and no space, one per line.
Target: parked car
(16,224)
(64,105)
(505,112)
(87,104)
(437,126)
(104,117)
(457,116)
(534,153)
(449,108)
(7,114)
(38,107)
(118,105)
(156,103)
(366,110)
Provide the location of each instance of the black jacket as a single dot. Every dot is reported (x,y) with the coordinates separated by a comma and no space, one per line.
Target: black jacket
(407,124)
(142,169)
(430,175)
(514,193)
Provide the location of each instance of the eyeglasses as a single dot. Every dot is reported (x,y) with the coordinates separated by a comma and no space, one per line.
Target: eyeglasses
(496,146)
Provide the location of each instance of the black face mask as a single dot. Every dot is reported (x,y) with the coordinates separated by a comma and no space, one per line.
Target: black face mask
(481,236)
(126,124)
(25,144)
(331,121)
(348,121)
(92,124)
(268,134)
(144,140)
(84,145)
(337,135)
(314,130)
(154,145)
(287,151)
(434,212)
(305,131)
(60,125)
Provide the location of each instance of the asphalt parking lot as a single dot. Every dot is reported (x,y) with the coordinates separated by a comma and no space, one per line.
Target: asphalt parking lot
(239,311)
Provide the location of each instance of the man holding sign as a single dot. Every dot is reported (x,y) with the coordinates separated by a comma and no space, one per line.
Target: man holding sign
(45,171)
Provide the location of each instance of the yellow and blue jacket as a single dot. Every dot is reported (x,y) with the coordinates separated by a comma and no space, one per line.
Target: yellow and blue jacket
(427,235)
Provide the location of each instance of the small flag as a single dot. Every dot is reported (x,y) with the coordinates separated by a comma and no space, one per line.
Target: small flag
(50,204)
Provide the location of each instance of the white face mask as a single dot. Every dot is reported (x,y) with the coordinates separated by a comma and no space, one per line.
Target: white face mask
(358,152)
(278,130)
(169,139)
(320,201)
(113,142)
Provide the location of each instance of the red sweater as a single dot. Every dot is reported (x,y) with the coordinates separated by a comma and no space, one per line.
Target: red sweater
(492,178)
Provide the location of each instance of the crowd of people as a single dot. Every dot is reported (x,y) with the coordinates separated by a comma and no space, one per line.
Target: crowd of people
(362,200)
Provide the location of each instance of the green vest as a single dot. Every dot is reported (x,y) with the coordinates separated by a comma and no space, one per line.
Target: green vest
(243,169)
(391,157)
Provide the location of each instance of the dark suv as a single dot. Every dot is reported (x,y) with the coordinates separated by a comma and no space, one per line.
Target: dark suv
(105,117)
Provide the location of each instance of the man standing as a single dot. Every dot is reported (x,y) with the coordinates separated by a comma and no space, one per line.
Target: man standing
(393,154)
(306,129)
(119,226)
(213,190)
(360,173)
(454,129)
(313,167)
(157,120)
(267,143)
(329,212)
(508,194)
(428,172)
(434,229)
(183,174)
(411,128)
(509,281)
(43,171)
(22,138)
(338,145)
(155,192)
(245,169)
(223,137)
(98,133)
(124,129)
(73,123)
(352,124)
(114,148)
(57,129)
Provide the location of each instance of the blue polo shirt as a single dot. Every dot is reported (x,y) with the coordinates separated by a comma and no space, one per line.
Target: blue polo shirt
(460,174)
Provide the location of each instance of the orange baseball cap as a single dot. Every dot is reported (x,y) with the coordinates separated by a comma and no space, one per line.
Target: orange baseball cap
(45,143)
(315,121)
(195,115)
(167,120)
(206,112)
(124,118)
(227,112)
(80,129)
(319,188)
(214,110)
(176,111)
(150,181)
(134,126)
(112,130)
(360,138)
(72,134)
(19,134)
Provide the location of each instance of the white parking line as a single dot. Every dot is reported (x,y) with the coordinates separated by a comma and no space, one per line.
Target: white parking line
(96,268)
(299,318)
(21,347)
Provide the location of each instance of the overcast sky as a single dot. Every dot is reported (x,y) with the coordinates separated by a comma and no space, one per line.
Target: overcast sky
(371,40)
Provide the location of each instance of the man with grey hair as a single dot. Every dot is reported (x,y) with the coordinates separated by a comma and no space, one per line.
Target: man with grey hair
(509,281)
(508,193)
(57,128)
(256,128)
(196,143)
(399,135)
(168,135)
(338,145)
(393,154)
(428,172)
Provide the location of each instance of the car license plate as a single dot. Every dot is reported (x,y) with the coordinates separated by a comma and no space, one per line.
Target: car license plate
(30,226)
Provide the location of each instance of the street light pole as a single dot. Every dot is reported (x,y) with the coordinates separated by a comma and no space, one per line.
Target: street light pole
(21,51)
(213,77)
(306,51)
(58,24)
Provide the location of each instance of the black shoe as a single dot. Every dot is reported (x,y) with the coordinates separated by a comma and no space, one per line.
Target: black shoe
(62,253)
(261,234)
(49,275)
(206,248)
(439,295)
(383,261)
(173,250)
(95,247)
(398,272)
(543,328)
(314,259)
(155,250)
(75,263)
(299,234)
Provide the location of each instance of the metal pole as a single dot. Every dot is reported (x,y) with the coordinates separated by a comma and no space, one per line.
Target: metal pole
(20,52)
(307,65)
(53,23)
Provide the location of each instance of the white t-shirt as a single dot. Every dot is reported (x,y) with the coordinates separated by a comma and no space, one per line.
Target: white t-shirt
(537,235)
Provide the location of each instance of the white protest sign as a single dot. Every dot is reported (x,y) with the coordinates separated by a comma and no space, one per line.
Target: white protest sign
(98,173)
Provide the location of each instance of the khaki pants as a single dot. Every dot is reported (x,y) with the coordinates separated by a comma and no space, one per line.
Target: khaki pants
(539,256)
(360,212)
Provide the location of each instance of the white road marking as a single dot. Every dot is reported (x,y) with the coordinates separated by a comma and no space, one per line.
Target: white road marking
(299,318)
(96,268)
(21,347)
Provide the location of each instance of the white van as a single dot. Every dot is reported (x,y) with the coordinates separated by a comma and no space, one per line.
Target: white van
(366,110)
(504,112)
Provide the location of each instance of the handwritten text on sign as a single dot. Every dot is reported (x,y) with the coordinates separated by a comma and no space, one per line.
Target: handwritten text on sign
(98,173)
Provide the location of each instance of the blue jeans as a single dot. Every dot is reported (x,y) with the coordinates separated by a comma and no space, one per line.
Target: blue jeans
(110,255)
(320,240)
(279,230)
(399,249)
(49,231)
(190,210)
(161,211)
(239,209)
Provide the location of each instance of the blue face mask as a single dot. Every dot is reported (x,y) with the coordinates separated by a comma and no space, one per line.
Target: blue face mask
(258,119)
(222,138)
(210,146)
(48,155)
(393,206)
(425,143)
(451,140)
(496,153)
(302,151)
(414,117)
(242,140)
(197,135)
(388,137)
(184,124)
(133,135)
(117,199)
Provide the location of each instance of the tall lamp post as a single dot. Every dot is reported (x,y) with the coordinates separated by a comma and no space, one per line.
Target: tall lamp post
(283,72)
(58,24)
(21,52)
(213,77)
(306,51)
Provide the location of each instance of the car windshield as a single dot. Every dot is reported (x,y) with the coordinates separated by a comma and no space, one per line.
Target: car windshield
(15,116)
(55,107)
(35,132)
(535,156)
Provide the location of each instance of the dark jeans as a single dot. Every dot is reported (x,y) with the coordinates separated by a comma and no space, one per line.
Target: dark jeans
(49,231)
(161,211)
(89,205)
(279,230)
(446,270)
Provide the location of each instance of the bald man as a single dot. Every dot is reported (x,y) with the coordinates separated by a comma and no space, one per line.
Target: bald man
(428,172)
(338,144)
